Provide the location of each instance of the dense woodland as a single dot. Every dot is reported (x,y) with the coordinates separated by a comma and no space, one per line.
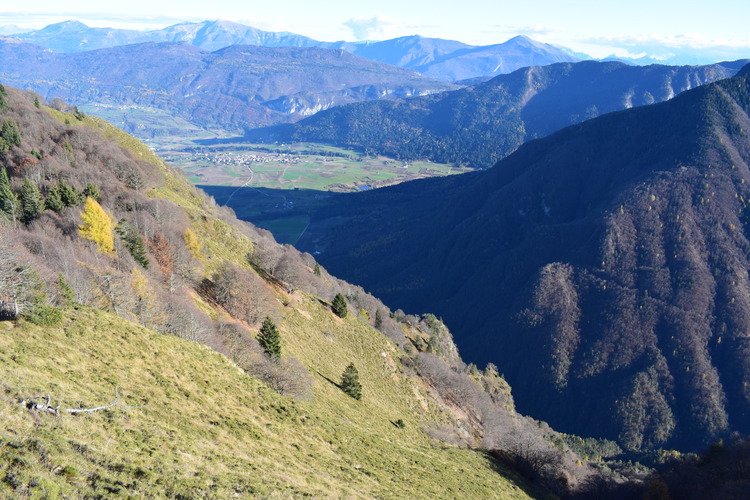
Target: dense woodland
(603,268)
(479,125)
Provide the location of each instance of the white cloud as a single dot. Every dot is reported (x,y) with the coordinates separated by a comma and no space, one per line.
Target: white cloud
(680,41)
(373,28)
(382,28)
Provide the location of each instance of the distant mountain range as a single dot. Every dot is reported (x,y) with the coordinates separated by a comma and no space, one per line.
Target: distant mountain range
(433,57)
(604,267)
(74,36)
(10,29)
(452,61)
(478,125)
(232,89)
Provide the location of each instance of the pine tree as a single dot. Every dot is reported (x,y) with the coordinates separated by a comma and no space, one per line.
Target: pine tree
(339,306)
(8,200)
(97,226)
(316,270)
(9,135)
(350,382)
(3,102)
(54,199)
(69,194)
(32,202)
(137,249)
(92,191)
(66,291)
(378,319)
(133,243)
(270,340)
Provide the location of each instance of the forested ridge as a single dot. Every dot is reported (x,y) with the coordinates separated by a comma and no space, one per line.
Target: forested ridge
(603,267)
(481,124)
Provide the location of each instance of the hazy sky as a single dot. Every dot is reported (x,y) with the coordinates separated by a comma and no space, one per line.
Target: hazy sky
(598,27)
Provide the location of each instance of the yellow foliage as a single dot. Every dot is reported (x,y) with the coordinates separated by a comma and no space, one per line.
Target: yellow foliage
(145,304)
(192,244)
(97,226)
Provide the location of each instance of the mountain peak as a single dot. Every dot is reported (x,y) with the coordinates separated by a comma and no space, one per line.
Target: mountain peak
(523,41)
(69,25)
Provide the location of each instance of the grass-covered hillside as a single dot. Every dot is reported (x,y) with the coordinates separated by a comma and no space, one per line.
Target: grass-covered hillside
(200,427)
(152,345)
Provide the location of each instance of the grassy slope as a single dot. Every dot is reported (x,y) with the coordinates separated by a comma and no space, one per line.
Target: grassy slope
(206,429)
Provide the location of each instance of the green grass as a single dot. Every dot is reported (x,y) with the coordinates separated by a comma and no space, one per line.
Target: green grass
(320,167)
(204,429)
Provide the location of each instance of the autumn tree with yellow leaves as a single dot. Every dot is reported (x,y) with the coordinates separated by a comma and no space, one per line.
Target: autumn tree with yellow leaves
(97,226)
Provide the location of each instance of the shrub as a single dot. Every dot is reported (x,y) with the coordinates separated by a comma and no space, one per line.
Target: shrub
(43,315)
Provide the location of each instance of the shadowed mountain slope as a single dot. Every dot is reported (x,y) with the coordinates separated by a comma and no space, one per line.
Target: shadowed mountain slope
(478,125)
(605,267)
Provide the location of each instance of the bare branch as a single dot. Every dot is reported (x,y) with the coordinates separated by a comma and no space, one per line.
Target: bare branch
(55,410)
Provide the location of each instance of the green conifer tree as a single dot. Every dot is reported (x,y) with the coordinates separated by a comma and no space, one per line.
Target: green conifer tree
(32,202)
(8,200)
(378,319)
(339,306)
(270,340)
(66,291)
(92,191)
(316,270)
(69,194)
(133,243)
(9,135)
(350,382)
(54,199)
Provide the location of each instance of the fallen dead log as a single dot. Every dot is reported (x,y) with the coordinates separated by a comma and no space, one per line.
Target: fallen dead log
(42,404)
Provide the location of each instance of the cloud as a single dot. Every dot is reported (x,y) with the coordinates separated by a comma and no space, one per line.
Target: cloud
(368,29)
(678,41)
(381,28)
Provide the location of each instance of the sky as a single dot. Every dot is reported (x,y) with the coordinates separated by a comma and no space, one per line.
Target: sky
(598,28)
